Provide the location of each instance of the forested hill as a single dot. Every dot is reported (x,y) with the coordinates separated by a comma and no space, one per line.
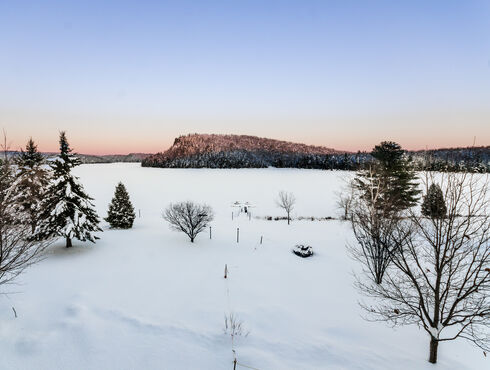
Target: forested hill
(192,144)
(241,151)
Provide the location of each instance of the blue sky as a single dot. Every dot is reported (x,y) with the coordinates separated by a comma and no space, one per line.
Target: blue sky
(344,74)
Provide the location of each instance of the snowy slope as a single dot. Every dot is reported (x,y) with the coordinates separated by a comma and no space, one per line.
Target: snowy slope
(147,298)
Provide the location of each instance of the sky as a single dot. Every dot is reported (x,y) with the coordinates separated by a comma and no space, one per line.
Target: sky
(130,76)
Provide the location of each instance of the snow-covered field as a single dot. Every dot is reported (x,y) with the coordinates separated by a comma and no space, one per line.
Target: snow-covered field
(147,298)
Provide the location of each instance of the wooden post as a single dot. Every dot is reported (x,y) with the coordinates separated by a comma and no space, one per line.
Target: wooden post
(210,233)
(249,216)
(261,239)
(226,271)
(139,213)
(234,364)
(238,235)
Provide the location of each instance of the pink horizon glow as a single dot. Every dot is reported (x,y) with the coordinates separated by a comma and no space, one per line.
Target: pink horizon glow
(127,145)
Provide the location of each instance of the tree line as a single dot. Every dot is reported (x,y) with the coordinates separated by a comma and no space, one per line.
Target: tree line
(475,160)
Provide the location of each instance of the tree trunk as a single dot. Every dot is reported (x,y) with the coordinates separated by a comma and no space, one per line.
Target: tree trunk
(434,343)
(68,242)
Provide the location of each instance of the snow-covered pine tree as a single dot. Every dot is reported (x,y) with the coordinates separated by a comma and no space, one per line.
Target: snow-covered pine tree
(121,212)
(67,210)
(9,195)
(32,179)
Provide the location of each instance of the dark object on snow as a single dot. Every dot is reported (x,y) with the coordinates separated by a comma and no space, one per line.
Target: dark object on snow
(303,250)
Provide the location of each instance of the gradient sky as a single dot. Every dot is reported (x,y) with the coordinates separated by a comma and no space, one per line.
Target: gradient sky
(130,76)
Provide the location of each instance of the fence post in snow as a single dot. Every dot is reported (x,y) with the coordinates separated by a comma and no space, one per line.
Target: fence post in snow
(238,235)
(210,232)
(226,271)
(139,213)
(261,239)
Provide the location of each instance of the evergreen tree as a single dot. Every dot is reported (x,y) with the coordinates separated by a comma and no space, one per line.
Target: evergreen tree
(397,172)
(32,180)
(67,210)
(434,205)
(392,176)
(121,212)
(9,195)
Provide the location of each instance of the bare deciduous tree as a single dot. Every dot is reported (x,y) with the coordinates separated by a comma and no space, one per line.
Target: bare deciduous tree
(440,278)
(344,202)
(286,201)
(375,226)
(188,217)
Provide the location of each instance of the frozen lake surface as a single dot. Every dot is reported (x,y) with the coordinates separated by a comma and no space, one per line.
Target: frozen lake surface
(147,298)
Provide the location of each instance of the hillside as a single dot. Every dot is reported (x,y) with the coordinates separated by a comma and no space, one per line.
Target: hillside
(238,151)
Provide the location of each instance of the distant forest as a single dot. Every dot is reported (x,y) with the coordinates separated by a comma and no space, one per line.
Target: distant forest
(233,151)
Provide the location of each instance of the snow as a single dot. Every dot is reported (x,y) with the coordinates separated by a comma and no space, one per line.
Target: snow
(147,298)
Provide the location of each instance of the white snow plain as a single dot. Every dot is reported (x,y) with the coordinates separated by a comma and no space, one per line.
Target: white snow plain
(147,298)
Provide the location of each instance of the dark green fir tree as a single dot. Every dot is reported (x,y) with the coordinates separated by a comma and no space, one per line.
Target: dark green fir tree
(32,180)
(434,205)
(68,211)
(121,212)
(392,176)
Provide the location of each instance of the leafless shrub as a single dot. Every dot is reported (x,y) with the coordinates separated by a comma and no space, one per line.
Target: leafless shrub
(234,327)
(189,217)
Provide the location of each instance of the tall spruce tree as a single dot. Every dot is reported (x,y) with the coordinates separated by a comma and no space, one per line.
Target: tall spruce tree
(121,212)
(434,205)
(396,171)
(393,177)
(67,210)
(32,179)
